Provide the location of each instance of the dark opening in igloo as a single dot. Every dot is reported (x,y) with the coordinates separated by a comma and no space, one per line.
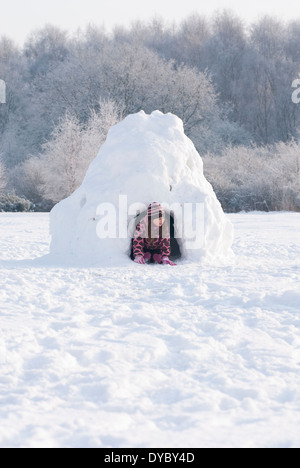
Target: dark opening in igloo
(175,249)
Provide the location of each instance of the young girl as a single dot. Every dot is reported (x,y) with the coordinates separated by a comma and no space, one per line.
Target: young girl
(152,237)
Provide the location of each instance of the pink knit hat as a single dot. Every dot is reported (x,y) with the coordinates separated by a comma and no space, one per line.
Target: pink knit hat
(155,210)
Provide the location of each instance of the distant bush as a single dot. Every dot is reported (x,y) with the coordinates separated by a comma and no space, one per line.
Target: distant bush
(265,178)
(12,203)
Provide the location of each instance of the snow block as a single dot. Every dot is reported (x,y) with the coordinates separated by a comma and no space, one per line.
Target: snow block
(145,158)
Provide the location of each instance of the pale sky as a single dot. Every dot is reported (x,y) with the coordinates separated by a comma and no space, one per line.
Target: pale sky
(20,17)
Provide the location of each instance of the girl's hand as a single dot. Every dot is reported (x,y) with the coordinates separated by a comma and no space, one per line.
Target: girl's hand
(167,261)
(139,259)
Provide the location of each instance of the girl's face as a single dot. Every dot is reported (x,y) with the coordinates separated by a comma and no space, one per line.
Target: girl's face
(158,221)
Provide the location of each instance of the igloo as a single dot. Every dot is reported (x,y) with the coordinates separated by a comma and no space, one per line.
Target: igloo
(145,158)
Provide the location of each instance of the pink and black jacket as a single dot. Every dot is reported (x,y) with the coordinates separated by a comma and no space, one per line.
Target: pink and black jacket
(148,237)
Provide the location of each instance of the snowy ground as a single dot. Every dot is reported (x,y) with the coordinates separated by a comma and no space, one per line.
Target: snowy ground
(151,356)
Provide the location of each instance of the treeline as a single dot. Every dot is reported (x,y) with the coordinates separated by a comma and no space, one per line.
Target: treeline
(263,178)
(229,83)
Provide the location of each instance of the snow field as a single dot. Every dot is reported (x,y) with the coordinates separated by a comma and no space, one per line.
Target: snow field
(151,356)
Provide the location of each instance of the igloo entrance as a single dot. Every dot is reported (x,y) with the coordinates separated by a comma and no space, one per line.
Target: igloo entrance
(170,219)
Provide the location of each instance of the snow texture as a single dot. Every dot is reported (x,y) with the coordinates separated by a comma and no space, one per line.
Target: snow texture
(151,356)
(145,158)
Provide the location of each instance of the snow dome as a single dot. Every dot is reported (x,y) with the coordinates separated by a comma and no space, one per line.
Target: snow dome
(145,159)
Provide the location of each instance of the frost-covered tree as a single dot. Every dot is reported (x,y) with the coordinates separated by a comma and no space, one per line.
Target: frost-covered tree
(45,48)
(27,120)
(269,37)
(61,160)
(257,177)
(292,41)
(192,37)
(268,74)
(61,167)
(11,71)
(140,80)
(27,179)
(95,132)
(223,55)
